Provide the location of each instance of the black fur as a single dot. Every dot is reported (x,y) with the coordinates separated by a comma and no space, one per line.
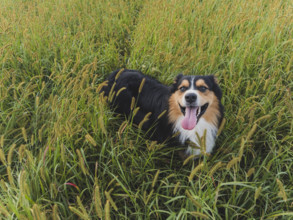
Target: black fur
(153,98)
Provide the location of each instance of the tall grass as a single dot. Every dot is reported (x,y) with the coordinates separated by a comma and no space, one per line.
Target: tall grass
(63,153)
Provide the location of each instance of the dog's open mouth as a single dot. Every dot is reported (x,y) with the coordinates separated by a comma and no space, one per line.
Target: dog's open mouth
(191,115)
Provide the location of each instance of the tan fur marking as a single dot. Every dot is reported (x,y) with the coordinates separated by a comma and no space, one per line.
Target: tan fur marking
(174,109)
(216,79)
(185,83)
(201,82)
(213,112)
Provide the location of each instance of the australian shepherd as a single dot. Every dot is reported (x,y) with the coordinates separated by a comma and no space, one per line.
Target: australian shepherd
(187,113)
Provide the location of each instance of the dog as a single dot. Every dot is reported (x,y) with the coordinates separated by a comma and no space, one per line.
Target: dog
(188,113)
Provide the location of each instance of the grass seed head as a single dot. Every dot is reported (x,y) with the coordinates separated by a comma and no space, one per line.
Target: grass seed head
(2,157)
(4,211)
(135,111)
(257,193)
(107,210)
(32,139)
(37,214)
(141,85)
(195,170)
(2,141)
(24,134)
(119,73)
(81,207)
(37,101)
(215,168)
(90,139)
(112,92)
(193,200)
(199,215)
(250,172)
(149,197)
(161,115)
(176,188)
(82,162)
(101,85)
(145,119)
(120,90)
(10,177)
(282,192)
(221,127)
(98,202)
(10,154)
(109,198)
(102,126)
(155,178)
(132,103)
(251,132)
(62,152)
(241,149)
(232,162)
(152,145)
(78,213)
(55,215)
(192,156)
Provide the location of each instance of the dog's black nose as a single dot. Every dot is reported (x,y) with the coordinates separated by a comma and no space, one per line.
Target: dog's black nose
(190,97)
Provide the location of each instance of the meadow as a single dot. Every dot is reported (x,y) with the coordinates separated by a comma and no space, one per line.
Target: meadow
(65,155)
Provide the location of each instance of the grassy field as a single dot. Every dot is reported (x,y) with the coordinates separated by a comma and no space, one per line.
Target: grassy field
(64,155)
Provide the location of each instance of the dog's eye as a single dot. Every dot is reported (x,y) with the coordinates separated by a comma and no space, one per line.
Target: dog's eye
(183,89)
(202,88)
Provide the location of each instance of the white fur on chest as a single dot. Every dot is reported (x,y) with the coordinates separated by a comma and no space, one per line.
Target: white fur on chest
(202,125)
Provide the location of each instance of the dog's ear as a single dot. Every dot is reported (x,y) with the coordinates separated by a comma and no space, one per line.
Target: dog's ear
(175,83)
(215,86)
(214,79)
(177,78)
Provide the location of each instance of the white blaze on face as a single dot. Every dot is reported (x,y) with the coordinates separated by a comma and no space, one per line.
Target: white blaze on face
(191,112)
(190,120)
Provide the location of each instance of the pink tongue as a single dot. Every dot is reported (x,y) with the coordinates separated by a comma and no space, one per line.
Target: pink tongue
(189,120)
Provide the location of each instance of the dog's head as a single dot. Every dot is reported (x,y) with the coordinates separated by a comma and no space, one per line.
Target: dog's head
(193,98)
